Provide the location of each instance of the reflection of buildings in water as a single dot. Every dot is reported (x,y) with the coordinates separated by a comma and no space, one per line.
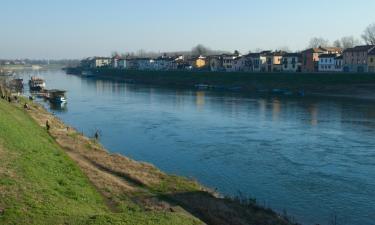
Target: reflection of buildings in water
(200,98)
(179,99)
(114,87)
(313,109)
(262,105)
(276,108)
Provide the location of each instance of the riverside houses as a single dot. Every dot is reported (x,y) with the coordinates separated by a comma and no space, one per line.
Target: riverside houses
(227,60)
(216,63)
(238,65)
(356,59)
(291,62)
(255,62)
(96,62)
(122,64)
(371,61)
(165,63)
(310,57)
(114,61)
(327,63)
(339,63)
(200,62)
(145,64)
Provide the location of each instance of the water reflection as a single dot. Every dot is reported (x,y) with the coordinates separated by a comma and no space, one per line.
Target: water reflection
(200,99)
(313,109)
(276,109)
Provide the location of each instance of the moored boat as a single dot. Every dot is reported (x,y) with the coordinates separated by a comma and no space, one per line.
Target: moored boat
(56,96)
(37,84)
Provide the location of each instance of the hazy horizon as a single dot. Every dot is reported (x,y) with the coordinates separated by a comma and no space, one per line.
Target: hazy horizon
(76,29)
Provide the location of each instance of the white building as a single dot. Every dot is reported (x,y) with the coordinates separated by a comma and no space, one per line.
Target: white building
(98,62)
(327,63)
(291,62)
(339,63)
(216,64)
(228,62)
(238,64)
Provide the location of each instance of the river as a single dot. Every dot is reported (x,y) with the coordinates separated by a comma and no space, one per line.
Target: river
(311,157)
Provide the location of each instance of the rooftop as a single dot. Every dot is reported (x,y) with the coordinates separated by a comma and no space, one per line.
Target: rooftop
(361,48)
(328,56)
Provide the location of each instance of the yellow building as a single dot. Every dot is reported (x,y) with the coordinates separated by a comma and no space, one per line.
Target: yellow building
(200,62)
(371,61)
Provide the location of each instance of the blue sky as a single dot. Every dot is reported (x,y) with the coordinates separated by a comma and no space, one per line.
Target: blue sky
(80,28)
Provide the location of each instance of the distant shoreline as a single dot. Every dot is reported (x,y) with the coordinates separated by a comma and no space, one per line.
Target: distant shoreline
(343,85)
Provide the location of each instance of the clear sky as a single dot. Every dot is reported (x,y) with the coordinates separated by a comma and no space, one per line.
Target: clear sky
(80,28)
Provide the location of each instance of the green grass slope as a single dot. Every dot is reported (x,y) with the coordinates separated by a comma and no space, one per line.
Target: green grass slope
(39,184)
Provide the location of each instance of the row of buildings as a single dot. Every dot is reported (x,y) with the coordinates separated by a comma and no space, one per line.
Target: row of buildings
(323,59)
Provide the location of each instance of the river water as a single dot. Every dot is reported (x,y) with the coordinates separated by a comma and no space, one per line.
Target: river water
(312,157)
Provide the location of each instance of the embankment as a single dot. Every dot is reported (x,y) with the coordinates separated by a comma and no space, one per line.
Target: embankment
(59,176)
(351,85)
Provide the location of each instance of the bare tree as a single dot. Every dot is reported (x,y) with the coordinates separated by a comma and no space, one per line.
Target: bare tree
(369,34)
(200,50)
(337,43)
(317,42)
(347,42)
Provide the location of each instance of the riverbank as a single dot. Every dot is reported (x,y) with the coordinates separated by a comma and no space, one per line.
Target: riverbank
(41,185)
(348,85)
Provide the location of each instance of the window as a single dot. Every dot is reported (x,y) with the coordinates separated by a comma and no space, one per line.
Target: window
(372,59)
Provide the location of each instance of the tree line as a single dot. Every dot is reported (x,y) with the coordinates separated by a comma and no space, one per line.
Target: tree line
(368,38)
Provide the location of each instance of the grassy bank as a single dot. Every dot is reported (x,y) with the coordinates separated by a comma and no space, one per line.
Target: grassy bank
(40,184)
(344,84)
(60,176)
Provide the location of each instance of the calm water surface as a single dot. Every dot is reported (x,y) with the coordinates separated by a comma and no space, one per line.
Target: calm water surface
(314,158)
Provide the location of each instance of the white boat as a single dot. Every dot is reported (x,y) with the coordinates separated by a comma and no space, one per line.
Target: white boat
(37,84)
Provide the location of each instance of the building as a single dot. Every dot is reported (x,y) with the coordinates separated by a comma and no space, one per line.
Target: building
(327,63)
(165,63)
(114,61)
(276,61)
(238,65)
(227,60)
(216,63)
(200,62)
(371,61)
(339,63)
(98,62)
(255,62)
(356,59)
(291,62)
(145,64)
(122,64)
(273,61)
(310,57)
